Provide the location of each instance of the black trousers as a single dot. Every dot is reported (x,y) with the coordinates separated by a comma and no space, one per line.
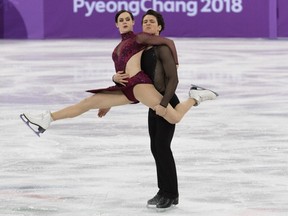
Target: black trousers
(161,134)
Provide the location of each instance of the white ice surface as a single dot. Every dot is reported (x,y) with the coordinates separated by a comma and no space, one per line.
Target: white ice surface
(231,154)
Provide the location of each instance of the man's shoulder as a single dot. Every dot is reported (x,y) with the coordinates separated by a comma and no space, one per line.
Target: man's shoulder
(162,49)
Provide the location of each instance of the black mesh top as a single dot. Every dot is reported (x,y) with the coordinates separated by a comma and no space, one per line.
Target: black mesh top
(159,64)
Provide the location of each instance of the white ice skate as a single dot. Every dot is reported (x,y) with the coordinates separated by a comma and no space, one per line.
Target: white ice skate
(201,94)
(42,121)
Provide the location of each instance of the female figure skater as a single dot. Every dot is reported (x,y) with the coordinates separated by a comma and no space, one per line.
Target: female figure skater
(126,57)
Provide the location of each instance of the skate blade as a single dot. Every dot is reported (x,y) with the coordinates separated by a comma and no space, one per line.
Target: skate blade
(195,87)
(27,122)
(165,209)
(151,206)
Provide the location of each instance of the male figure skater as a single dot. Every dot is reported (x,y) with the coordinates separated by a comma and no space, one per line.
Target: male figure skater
(158,62)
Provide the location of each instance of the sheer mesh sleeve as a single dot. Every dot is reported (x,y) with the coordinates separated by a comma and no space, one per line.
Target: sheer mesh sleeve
(148,39)
(165,74)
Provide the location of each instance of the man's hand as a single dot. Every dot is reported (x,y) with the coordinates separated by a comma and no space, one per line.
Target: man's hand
(160,110)
(103,112)
(121,78)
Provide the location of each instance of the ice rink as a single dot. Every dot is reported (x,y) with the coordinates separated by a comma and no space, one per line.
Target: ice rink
(231,153)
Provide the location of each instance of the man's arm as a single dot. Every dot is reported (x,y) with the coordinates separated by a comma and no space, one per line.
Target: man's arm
(170,71)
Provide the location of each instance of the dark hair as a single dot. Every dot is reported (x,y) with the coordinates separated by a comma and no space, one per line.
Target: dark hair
(123,11)
(158,16)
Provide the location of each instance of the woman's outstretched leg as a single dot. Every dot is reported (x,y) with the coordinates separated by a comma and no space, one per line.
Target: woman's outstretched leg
(196,96)
(149,96)
(97,101)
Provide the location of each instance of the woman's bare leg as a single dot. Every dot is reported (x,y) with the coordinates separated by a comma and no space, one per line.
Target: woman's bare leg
(149,96)
(100,100)
(96,101)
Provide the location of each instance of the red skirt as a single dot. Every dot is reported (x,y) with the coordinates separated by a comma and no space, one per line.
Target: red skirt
(127,90)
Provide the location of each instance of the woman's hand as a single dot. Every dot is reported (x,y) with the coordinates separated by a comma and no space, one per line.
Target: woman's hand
(120,77)
(103,112)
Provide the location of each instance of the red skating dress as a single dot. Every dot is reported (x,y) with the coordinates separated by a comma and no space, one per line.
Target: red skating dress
(129,46)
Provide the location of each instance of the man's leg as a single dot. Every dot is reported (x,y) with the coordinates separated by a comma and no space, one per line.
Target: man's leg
(161,134)
(166,168)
